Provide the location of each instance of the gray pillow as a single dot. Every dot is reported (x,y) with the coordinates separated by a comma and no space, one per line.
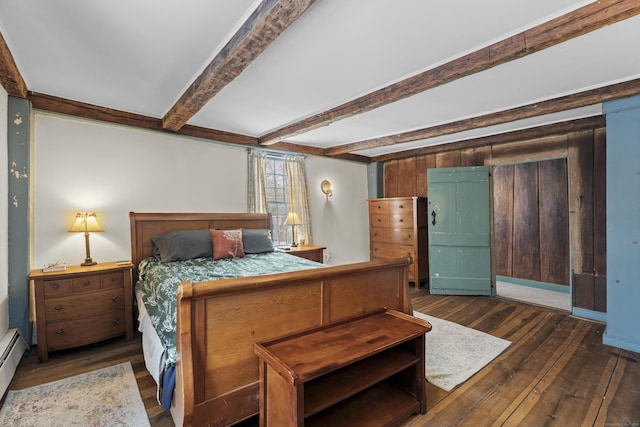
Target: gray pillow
(182,245)
(256,241)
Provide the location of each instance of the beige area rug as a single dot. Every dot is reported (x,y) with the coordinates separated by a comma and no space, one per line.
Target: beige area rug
(106,397)
(454,352)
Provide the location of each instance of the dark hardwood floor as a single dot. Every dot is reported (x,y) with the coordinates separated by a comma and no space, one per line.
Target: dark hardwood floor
(556,371)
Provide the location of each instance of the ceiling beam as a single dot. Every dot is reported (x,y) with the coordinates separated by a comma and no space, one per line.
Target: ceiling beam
(528,134)
(555,105)
(266,23)
(10,77)
(573,24)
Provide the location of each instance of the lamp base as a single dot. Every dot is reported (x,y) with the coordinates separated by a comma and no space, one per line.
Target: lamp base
(294,245)
(88,262)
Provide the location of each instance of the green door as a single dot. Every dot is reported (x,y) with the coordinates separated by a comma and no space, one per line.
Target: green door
(459,231)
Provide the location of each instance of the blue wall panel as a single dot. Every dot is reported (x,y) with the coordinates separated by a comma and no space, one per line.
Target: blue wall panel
(623,224)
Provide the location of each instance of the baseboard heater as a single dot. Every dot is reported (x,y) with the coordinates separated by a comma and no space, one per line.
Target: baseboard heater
(12,347)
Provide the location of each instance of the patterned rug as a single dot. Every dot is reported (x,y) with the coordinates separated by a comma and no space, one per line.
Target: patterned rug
(454,352)
(106,397)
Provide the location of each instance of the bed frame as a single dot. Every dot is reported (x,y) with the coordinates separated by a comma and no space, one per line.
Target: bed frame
(217,378)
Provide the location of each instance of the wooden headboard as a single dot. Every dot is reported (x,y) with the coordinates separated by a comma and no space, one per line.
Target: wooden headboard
(146,225)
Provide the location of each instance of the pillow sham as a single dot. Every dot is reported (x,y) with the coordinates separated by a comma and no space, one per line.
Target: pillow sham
(182,245)
(227,244)
(257,241)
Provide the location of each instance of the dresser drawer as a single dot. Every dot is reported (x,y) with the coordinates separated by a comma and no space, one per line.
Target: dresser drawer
(56,288)
(384,250)
(403,236)
(379,220)
(73,333)
(389,250)
(401,207)
(401,220)
(379,207)
(84,305)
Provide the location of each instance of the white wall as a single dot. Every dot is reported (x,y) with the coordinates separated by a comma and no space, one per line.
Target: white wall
(87,165)
(341,222)
(4,215)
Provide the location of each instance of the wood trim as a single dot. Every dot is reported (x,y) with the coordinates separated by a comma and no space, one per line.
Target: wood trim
(54,104)
(576,100)
(10,77)
(571,25)
(265,24)
(69,107)
(94,112)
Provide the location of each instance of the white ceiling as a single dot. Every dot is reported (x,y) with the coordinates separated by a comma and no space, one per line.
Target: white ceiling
(139,56)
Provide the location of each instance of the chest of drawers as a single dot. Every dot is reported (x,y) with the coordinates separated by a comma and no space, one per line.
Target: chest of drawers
(82,305)
(398,227)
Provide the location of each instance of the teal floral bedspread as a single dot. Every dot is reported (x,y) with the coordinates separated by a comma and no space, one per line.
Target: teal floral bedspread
(158,284)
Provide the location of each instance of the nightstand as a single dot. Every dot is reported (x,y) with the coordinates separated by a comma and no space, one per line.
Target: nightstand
(82,305)
(310,252)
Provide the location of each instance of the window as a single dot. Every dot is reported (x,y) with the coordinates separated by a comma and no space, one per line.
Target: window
(277,192)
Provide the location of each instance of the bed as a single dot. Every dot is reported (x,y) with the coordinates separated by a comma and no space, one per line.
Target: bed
(218,321)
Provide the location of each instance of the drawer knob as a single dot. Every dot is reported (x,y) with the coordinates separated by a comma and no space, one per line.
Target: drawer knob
(114,298)
(59,332)
(55,286)
(114,279)
(116,321)
(401,206)
(87,282)
(57,308)
(401,220)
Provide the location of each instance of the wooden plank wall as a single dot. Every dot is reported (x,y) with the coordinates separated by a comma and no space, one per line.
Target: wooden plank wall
(531,221)
(584,151)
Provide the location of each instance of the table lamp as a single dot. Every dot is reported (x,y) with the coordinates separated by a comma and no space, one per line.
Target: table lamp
(86,222)
(293,221)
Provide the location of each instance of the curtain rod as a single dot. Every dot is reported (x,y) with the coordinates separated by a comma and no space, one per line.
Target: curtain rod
(275,153)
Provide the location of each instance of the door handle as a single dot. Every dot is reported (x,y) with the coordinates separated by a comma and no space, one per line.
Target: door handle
(433,214)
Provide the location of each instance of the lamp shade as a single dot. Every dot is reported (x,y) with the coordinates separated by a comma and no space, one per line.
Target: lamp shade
(292,219)
(85,222)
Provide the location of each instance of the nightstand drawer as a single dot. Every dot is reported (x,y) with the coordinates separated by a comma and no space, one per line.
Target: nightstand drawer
(73,333)
(112,280)
(56,288)
(85,284)
(84,305)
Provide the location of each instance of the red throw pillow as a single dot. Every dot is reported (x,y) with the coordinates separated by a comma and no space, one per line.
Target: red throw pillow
(227,244)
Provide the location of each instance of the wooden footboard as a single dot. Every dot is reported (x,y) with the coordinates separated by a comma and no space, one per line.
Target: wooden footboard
(219,321)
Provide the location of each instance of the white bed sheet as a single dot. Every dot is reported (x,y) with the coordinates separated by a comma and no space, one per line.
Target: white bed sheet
(151,344)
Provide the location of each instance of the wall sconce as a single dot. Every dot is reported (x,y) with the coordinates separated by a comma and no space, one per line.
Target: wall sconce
(86,222)
(293,221)
(325,186)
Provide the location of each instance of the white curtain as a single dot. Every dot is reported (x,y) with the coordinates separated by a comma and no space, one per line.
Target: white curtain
(256,193)
(298,197)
